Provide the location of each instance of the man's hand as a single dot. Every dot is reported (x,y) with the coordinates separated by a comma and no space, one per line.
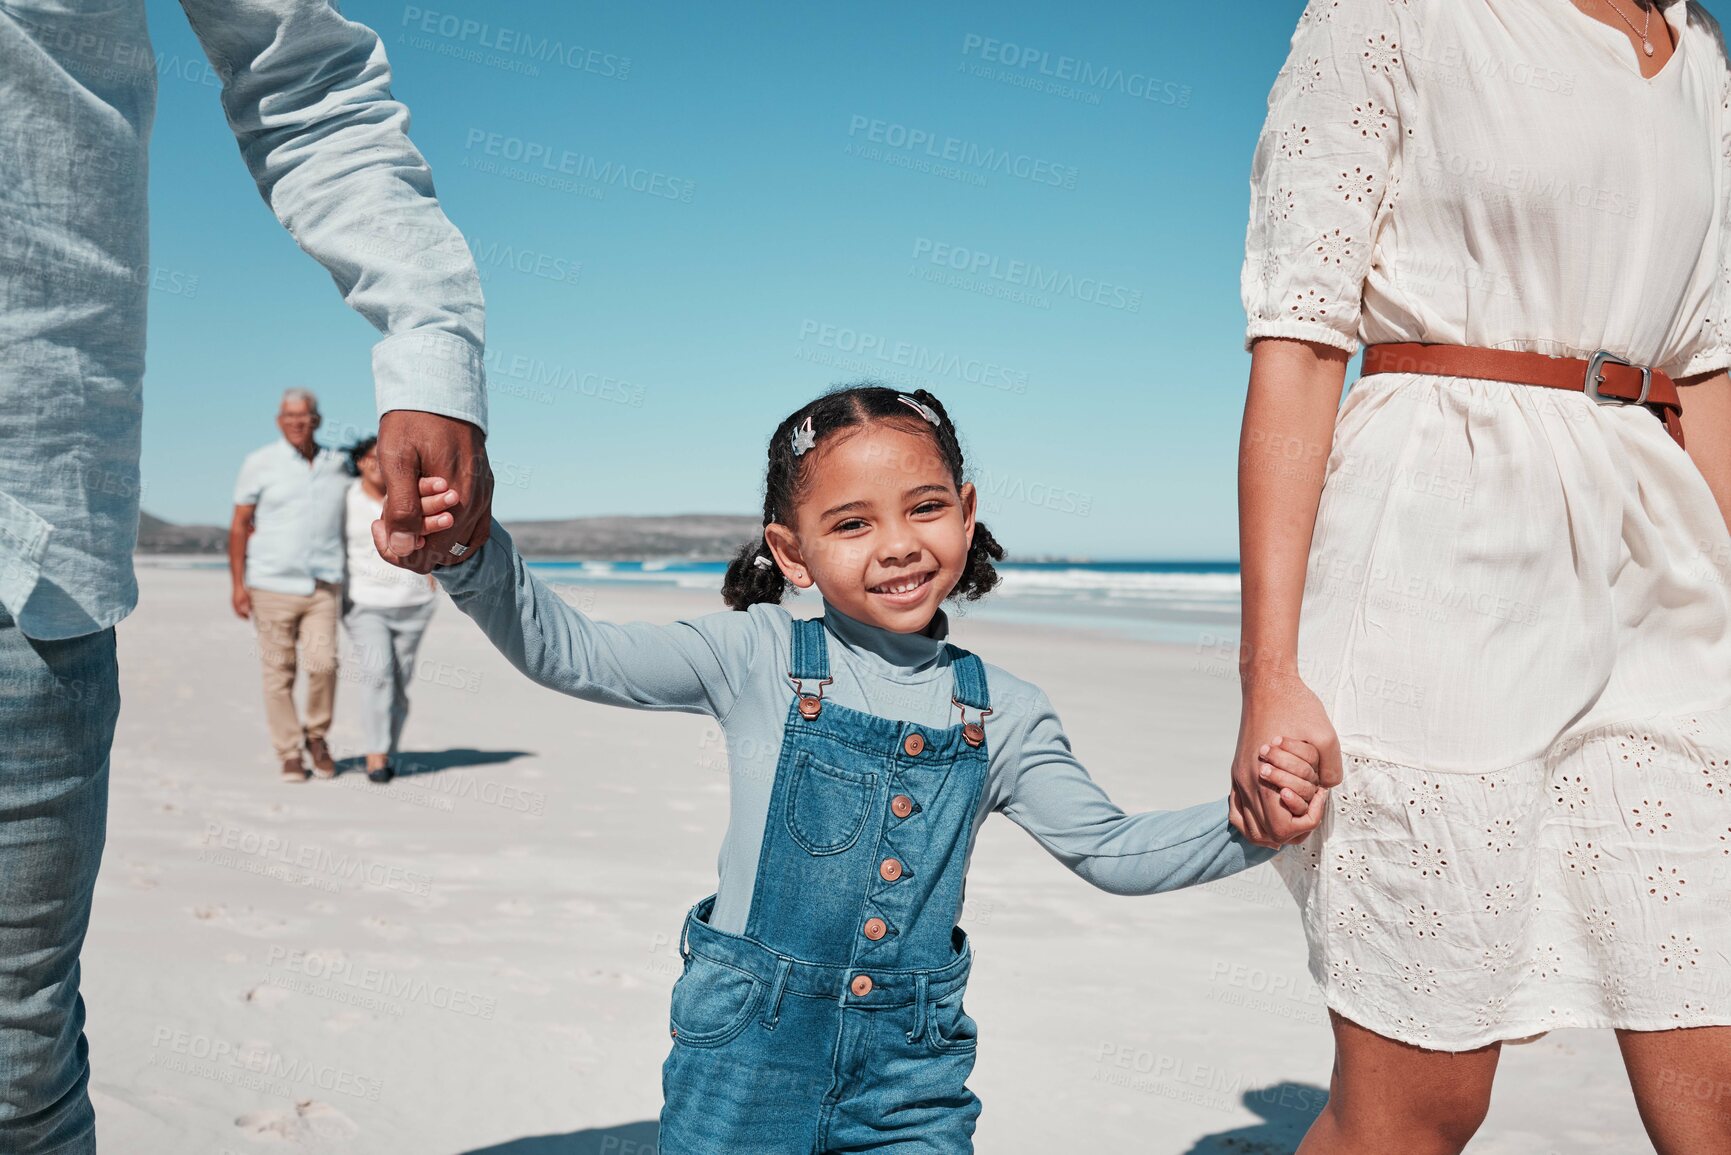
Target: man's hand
(414,446)
(242,602)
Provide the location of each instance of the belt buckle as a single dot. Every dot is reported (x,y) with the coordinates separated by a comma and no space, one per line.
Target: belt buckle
(1597,361)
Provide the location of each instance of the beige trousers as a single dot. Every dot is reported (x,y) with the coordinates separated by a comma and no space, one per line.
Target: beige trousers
(309,621)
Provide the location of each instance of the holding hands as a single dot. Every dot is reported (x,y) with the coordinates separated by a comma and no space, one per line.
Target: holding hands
(1280,786)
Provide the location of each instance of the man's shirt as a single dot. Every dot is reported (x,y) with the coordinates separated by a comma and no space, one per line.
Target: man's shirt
(297,535)
(307,94)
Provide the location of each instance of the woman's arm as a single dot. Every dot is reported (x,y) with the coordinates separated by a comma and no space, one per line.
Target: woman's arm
(1054,799)
(697,666)
(1707,432)
(1284,445)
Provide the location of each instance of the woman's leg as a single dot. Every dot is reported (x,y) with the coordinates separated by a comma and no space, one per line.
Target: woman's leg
(370,658)
(1682,1084)
(406,633)
(1390,1096)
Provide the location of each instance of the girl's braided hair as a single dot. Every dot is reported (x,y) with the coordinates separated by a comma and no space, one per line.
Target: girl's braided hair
(748,582)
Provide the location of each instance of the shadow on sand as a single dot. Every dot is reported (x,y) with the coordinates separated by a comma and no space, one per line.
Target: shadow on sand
(413,764)
(625,1139)
(1287,1110)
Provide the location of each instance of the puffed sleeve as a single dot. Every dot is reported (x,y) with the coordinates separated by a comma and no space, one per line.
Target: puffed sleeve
(1321,172)
(1712,352)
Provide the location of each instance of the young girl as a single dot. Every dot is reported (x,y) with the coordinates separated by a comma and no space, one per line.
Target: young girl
(820,1008)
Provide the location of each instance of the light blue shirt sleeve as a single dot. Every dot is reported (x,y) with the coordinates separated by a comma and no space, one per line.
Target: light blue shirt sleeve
(308,95)
(697,666)
(1054,799)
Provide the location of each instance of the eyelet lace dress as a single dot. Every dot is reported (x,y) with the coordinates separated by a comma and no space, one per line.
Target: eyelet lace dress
(1517,609)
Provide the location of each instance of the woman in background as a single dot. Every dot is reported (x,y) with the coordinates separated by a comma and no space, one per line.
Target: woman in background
(386,610)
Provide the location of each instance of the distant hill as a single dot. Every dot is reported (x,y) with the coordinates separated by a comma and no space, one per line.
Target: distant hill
(158,536)
(686,536)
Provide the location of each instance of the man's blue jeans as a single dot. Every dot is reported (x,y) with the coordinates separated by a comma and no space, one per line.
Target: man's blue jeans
(58,704)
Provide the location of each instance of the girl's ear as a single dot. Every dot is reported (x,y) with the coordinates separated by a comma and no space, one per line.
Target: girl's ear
(785,547)
(970,498)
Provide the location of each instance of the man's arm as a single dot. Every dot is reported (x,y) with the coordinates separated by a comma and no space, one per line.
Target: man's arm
(239,532)
(308,96)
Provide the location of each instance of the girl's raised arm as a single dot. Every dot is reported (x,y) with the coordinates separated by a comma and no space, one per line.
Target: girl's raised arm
(696,665)
(1053,798)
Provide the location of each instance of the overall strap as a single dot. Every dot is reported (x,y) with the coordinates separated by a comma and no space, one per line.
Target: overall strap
(810,650)
(970,679)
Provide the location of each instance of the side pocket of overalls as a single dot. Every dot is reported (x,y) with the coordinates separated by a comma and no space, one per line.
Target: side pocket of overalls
(950,1029)
(826,805)
(712,1002)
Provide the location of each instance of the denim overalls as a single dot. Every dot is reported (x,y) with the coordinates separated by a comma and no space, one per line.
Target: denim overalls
(835,1022)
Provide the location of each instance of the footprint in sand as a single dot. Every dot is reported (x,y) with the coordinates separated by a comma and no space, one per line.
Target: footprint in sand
(386,928)
(309,1119)
(266,996)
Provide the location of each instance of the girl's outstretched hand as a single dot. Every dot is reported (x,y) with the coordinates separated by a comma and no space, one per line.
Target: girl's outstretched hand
(436,498)
(1292,769)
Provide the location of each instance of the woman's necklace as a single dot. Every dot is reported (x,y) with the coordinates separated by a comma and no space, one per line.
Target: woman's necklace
(1646,44)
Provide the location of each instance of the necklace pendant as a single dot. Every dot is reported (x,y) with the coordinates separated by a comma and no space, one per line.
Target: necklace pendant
(1647,46)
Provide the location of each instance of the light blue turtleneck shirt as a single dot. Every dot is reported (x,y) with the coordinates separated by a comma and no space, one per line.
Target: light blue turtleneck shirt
(732,666)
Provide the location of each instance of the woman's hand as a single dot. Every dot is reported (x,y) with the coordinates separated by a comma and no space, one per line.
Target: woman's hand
(1279,704)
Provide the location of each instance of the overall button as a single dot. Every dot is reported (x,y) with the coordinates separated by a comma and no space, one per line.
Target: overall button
(915,743)
(890,869)
(861,985)
(875,928)
(901,806)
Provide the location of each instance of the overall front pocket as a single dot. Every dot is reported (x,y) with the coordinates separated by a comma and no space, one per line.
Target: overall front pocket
(826,805)
(712,1002)
(950,1029)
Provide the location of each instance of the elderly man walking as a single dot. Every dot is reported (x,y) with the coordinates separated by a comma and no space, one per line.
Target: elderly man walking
(286,555)
(308,97)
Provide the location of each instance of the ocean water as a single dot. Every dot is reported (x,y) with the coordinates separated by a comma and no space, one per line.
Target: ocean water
(1184,603)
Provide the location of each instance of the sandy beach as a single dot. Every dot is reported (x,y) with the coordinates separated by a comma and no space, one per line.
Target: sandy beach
(476,959)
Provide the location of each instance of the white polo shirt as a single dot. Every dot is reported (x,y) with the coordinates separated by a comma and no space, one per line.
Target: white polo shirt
(298,523)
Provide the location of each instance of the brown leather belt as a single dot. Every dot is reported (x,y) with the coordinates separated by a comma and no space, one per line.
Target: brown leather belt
(1605,378)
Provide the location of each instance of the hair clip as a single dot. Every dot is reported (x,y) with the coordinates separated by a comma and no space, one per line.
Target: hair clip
(763,560)
(924,410)
(804,437)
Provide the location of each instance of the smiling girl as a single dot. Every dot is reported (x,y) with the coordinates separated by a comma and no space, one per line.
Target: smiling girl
(820,1006)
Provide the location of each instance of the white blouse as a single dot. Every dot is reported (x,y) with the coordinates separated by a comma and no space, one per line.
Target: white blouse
(1470,172)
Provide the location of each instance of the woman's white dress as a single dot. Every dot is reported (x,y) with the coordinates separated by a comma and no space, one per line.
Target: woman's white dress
(1516,611)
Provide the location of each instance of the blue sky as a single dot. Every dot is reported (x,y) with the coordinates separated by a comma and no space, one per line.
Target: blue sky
(824,193)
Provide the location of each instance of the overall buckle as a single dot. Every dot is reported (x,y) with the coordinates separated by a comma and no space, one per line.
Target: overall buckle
(1595,377)
(809,704)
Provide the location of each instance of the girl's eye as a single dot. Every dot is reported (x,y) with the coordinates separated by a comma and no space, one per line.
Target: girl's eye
(929,506)
(849,524)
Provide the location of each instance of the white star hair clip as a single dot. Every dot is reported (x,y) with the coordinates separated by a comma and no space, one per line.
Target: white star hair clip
(923,409)
(804,437)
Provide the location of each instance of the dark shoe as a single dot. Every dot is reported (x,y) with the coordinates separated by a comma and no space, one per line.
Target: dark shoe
(383,774)
(323,764)
(293,770)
